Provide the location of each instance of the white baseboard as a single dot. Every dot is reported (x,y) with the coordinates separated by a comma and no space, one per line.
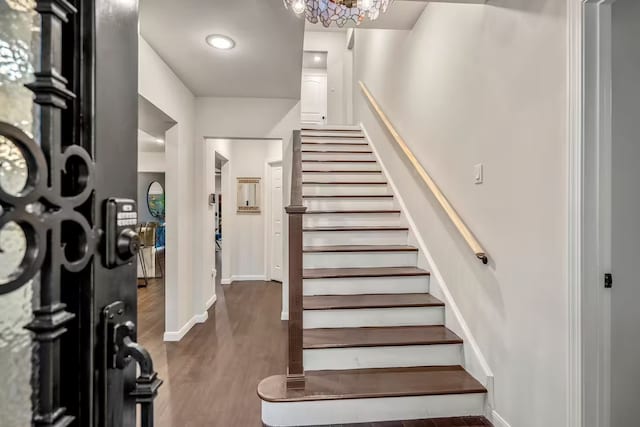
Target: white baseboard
(202,317)
(284,315)
(498,421)
(175,336)
(225,281)
(248,277)
(211,301)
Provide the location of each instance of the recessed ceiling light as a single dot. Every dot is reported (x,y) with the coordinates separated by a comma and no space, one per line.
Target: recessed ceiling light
(317,58)
(299,6)
(160,140)
(220,42)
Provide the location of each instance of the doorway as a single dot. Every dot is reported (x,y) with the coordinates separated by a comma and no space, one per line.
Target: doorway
(610,237)
(313,98)
(275,250)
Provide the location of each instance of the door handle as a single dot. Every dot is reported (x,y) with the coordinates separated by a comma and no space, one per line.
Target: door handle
(119,351)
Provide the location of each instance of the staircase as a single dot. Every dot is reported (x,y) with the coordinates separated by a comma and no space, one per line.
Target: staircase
(374,342)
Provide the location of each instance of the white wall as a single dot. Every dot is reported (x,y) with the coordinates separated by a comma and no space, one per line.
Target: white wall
(339,66)
(236,118)
(244,233)
(486,84)
(151,161)
(160,86)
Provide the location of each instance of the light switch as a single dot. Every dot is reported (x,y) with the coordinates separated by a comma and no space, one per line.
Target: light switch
(478,176)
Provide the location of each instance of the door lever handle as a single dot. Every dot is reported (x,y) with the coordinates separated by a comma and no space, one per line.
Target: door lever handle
(147,383)
(120,349)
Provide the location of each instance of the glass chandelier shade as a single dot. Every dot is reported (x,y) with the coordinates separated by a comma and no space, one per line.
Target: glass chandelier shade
(338,12)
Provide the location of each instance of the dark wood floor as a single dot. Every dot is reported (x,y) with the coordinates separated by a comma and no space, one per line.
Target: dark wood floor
(211,376)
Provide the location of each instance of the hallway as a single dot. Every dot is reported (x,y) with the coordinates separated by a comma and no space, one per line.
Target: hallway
(210,377)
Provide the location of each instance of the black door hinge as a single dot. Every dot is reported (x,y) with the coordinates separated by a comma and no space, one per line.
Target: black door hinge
(608,280)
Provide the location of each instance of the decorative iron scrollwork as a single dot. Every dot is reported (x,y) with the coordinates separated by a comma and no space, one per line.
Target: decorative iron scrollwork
(58,210)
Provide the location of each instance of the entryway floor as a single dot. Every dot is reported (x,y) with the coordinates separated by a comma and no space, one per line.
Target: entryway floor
(211,376)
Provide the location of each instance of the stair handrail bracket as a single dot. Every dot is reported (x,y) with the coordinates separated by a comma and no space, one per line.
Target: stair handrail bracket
(295,211)
(455,218)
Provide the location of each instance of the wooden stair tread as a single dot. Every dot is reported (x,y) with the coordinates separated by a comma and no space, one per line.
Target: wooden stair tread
(344,196)
(338,302)
(360,248)
(337,161)
(338,172)
(337,151)
(370,211)
(331,129)
(334,273)
(372,383)
(356,228)
(354,142)
(377,336)
(332,136)
(344,182)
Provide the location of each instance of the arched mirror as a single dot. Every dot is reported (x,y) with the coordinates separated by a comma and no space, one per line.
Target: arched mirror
(155,200)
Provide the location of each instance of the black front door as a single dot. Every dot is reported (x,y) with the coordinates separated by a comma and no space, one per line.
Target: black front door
(68,162)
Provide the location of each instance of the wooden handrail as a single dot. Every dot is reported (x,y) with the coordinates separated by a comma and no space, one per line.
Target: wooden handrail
(296,210)
(467,235)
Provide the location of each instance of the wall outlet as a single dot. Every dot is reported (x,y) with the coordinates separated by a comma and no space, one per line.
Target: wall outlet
(478,174)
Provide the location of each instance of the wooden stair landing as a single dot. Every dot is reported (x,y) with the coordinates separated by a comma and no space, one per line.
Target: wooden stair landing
(433,422)
(378,336)
(372,383)
(341,302)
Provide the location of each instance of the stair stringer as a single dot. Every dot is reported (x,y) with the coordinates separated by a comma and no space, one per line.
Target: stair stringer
(474,361)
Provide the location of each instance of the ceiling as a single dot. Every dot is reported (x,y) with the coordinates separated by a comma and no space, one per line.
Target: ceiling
(401,15)
(266,61)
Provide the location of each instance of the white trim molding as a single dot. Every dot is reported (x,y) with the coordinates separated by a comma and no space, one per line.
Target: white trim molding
(498,421)
(211,301)
(174,336)
(575,19)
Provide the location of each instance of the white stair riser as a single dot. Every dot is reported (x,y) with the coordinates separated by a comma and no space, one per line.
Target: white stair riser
(345,189)
(345,166)
(342,411)
(382,357)
(331,134)
(345,177)
(335,141)
(337,156)
(366,285)
(354,203)
(359,259)
(370,317)
(331,238)
(325,128)
(385,219)
(336,147)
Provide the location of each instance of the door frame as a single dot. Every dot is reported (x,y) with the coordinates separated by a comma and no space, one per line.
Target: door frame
(268,229)
(589,210)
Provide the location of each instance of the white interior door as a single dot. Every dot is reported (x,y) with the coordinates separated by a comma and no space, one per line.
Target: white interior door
(314,98)
(276,223)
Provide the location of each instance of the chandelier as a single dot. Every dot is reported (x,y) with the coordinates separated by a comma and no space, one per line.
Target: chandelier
(338,12)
